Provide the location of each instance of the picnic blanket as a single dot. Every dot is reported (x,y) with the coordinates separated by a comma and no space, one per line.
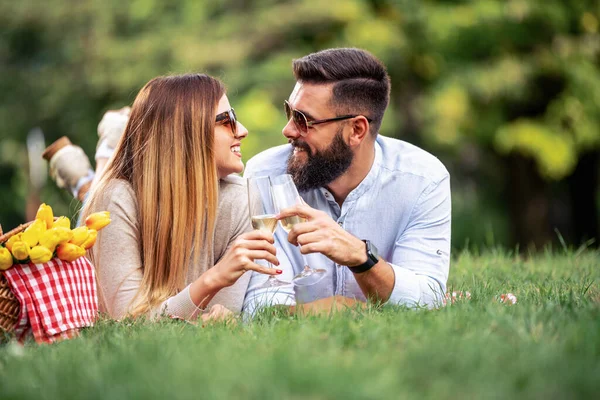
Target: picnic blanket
(57,298)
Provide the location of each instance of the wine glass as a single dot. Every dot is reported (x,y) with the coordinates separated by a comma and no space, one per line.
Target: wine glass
(262,214)
(286,195)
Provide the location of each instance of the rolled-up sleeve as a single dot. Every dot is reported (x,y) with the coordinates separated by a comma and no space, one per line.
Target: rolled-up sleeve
(421,257)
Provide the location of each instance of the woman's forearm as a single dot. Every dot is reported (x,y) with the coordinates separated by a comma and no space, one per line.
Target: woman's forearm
(203,289)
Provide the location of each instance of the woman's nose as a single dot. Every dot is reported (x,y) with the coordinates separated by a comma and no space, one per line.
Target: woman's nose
(241,131)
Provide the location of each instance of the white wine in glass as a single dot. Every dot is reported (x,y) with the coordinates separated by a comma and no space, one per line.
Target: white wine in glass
(266,223)
(286,195)
(288,223)
(262,214)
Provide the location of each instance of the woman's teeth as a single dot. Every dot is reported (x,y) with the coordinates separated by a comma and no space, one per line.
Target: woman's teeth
(236,149)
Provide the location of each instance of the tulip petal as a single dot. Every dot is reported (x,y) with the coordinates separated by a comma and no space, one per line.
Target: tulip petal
(80,235)
(6,259)
(69,252)
(45,214)
(89,242)
(40,255)
(98,220)
(20,251)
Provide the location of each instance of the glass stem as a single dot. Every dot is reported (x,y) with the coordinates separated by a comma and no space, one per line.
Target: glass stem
(306,267)
(270,266)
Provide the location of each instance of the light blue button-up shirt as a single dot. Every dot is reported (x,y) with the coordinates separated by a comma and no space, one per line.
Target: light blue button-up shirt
(402,206)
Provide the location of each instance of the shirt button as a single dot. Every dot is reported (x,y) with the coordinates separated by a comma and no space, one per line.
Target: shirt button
(341,224)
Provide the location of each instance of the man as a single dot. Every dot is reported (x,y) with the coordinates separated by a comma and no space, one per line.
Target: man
(377,209)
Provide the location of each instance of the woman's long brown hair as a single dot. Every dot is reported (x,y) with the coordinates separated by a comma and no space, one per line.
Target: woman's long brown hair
(166,154)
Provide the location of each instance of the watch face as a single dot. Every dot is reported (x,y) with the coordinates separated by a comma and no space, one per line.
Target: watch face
(372,252)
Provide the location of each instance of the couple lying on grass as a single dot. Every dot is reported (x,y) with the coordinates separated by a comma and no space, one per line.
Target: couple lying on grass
(181,244)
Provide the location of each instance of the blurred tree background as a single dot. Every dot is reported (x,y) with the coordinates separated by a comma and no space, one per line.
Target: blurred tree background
(506,93)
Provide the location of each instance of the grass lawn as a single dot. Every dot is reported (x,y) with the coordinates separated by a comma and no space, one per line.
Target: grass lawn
(546,346)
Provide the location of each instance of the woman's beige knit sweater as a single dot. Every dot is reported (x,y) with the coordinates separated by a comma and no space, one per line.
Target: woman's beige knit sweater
(117,252)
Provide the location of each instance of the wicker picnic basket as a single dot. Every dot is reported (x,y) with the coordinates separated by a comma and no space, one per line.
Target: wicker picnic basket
(84,308)
(9,305)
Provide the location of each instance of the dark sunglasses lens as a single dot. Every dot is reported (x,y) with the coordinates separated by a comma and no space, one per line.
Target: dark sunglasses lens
(233,121)
(288,110)
(300,121)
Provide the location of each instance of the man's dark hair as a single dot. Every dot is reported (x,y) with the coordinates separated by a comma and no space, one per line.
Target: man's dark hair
(361,84)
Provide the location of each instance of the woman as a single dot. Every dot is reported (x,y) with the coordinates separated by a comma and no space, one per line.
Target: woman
(180,237)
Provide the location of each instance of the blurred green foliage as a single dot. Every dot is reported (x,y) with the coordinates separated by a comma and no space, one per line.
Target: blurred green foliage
(472,80)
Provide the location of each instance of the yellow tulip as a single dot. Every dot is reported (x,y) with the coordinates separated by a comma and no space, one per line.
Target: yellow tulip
(98,220)
(9,243)
(32,234)
(69,251)
(40,255)
(6,260)
(49,239)
(63,222)
(20,250)
(90,240)
(64,234)
(45,214)
(80,235)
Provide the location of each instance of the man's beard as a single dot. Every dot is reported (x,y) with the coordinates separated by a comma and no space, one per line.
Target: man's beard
(320,168)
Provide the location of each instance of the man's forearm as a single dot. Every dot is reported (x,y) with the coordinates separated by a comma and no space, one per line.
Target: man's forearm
(378,282)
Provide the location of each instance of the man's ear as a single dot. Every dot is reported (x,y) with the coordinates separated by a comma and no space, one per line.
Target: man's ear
(360,131)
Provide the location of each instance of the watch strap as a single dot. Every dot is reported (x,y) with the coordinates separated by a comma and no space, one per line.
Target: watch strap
(372,259)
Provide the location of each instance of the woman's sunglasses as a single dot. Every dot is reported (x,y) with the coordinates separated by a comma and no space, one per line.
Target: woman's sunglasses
(228,117)
(302,123)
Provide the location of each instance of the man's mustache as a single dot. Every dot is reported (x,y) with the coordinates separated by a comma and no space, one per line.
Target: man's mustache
(299,144)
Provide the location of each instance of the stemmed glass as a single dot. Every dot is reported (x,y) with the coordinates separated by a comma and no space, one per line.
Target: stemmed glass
(262,214)
(286,195)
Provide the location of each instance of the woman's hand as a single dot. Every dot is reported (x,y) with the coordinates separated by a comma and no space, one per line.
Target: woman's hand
(238,259)
(250,246)
(218,313)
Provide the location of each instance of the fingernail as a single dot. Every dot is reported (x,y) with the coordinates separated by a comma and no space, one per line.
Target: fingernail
(279,271)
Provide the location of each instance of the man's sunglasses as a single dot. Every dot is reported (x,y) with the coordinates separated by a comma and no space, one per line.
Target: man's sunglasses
(302,123)
(228,117)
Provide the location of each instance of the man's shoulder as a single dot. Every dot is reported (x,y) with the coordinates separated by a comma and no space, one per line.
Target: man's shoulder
(269,162)
(403,157)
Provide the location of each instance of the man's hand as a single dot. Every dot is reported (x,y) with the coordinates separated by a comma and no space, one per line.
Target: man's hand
(321,234)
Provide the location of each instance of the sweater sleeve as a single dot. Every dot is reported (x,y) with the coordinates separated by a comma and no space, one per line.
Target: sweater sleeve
(117,257)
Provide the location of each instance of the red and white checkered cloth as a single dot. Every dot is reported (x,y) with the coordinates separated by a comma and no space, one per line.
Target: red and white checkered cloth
(56,298)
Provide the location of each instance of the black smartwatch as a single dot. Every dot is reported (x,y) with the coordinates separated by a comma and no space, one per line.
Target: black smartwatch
(372,259)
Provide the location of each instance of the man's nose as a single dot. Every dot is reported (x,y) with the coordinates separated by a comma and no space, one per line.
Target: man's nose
(290,130)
